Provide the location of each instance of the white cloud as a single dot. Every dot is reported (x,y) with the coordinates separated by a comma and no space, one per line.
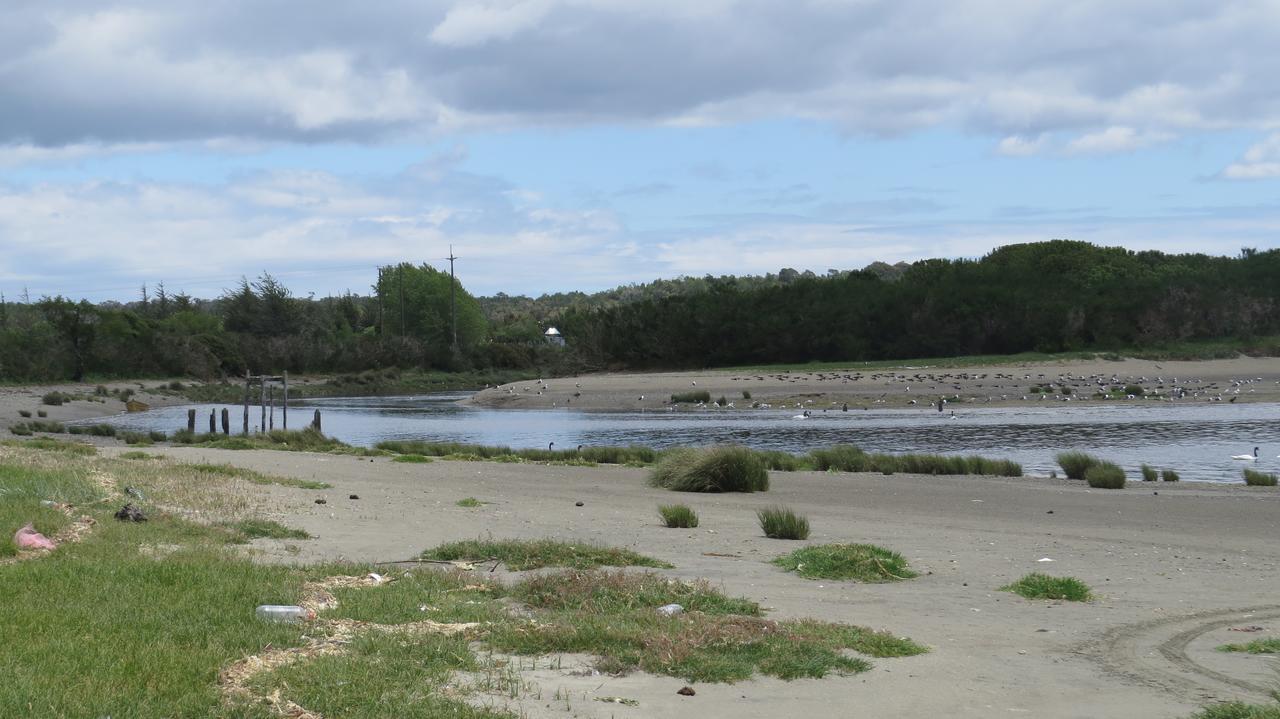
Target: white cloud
(1019,146)
(1115,139)
(1260,162)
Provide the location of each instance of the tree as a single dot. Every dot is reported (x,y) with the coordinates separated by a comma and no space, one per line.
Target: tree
(76,323)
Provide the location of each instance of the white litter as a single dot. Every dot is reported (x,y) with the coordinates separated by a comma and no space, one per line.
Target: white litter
(1044,559)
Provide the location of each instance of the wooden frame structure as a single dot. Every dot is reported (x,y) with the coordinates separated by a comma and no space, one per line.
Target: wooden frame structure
(266,398)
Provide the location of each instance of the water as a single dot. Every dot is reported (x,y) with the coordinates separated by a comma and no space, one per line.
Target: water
(1197,440)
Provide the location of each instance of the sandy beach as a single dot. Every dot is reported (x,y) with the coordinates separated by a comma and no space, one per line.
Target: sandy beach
(1244,379)
(1175,568)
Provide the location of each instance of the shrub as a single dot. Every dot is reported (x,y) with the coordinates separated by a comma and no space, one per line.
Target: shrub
(41,413)
(1149,473)
(782,523)
(1075,464)
(1105,475)
(691,397)
(156,435)
(21,429)
(1169,475)
(722,401)
(863,562)
(176,386)
(101,391)
(714,469)
(1254,478)
(678,516)
(135,438)
(746,394)
(54,399)
(1043,586)
(1133,389)
(24,413)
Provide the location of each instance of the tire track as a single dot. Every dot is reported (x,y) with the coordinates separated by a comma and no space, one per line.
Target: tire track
(1154,653)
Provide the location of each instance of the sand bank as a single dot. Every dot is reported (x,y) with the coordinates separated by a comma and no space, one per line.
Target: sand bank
(1175,567)
(16,398)
(1242,380)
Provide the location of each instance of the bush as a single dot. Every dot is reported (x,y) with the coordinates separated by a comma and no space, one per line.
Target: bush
(1133,389)
(101,391)
(54,399)
(177,386)
(156,435)
(746,394)
(21,429)
(1169,475)
(678,516)
(1075,464)
(97,430)
(782,523)
(722,401)
(691,397)
(1043,586)
(24,413)
(135,438)
(1105,475)
(1149,473)
(41,413)
(1254,478)
(714,469)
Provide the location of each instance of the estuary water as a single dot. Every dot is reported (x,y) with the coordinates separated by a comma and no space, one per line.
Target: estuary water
(1196,440)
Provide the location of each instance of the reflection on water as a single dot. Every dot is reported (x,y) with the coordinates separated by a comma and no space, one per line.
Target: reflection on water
(1196,440)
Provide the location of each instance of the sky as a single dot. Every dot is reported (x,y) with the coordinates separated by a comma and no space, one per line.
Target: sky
(584,144)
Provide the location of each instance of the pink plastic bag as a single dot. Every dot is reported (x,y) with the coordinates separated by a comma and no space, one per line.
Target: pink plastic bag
(29,538)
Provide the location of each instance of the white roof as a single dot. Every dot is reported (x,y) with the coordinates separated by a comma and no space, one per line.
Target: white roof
(551,331)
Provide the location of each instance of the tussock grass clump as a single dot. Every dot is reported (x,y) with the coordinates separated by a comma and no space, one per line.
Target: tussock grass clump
(848,458)
(1169,475)
(136,438)
(1043,586)
(691,397)
(1254,478)
(24,413)
(601,591)
(1238,710)
(1149,473)
(841,458)
(1270,645)
(28,428)
(96,430)
(782,523)
(714,469)
(520,555)
(138,454)
(1075,464)
(247,529)
(678,516)
(41,413)
(55,399)
(861,562)
(1105,475)
(470,502)
(411,459)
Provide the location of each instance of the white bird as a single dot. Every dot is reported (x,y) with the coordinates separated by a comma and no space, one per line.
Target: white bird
(1247,457)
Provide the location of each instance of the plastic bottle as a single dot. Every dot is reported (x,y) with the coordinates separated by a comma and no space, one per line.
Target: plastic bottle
(284,613)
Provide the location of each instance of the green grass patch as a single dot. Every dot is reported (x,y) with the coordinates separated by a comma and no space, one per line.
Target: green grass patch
(96,430)
(53,444)
(678,516)
(1043,586)
(248,475)
(1258,646)
(248,529)
(1075,464)
(604,592)
(470,502)
(1105,475)
(22,489)
(712,469)
(520,555)
(1149,473)
(861,562)
(412,459)
(1254,478)
(137,454)
(782,523)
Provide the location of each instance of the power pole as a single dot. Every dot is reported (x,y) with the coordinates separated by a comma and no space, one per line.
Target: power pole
(453,291)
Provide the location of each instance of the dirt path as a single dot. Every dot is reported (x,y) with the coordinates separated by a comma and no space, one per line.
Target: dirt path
(1175,568)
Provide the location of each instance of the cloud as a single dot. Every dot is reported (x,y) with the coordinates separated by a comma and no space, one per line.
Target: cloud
(1115,139)
(1260,162)
(1019,146)
(78,72)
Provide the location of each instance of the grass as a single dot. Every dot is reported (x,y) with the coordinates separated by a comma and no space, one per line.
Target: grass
(1043,586)
(138,454)
(678,516)
(1105,475)
(1075,464)
(520,555)
(96,430)
(470,502)
(412,459)
(1257,646)
(598,455)
(1169,475)
(248,529)
(691,397)
(1254,478)
(24,413)
(303,440)
(713,469)
(1149,473)
(22,491)
(848,458)
(860,562)
(782,523)
(1238,710)
(248,475)
(53,444)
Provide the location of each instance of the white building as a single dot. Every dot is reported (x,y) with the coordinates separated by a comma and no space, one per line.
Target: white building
(554,337)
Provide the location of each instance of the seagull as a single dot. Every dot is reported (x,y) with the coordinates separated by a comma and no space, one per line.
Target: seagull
(1247,457)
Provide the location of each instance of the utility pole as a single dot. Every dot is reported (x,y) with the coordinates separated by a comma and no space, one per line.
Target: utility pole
(453,291)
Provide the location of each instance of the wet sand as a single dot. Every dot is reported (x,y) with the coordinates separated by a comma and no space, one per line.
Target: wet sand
(1175,567)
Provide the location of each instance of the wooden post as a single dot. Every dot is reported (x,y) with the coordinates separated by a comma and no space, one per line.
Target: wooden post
(246,402)
(271,398)
(262,402)
(316,422)
(213,421)
(191,420)
(226,421)
(284,412)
